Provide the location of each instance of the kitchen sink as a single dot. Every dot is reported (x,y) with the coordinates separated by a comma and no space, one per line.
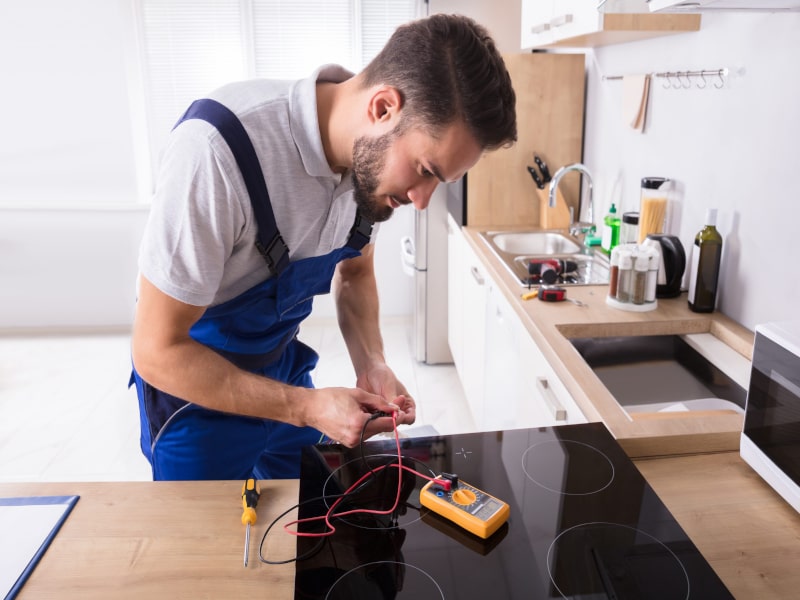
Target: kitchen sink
(661,373)
(517,249)
(533,242)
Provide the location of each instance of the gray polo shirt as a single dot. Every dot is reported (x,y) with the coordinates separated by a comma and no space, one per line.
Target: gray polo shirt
(198,246)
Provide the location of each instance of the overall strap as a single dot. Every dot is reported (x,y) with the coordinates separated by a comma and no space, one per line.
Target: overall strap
(269,242)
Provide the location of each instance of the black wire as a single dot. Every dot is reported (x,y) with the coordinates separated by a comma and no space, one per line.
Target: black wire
(308,554)
(324,498)
(372,417)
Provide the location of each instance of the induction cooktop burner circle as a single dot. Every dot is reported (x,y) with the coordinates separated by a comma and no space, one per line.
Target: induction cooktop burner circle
(618,560)
(385,579)
(547,465)
(377,493)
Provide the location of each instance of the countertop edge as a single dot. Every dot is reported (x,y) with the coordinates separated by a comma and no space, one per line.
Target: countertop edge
(551,326)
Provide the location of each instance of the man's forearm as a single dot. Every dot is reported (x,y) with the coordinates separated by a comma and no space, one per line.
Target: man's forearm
(358,312)
(191,371)
(357,305)
(168,358)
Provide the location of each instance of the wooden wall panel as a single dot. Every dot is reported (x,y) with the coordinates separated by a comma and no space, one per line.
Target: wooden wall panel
(550,111)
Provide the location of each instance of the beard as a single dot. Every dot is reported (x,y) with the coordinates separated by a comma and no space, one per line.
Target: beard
(369,157)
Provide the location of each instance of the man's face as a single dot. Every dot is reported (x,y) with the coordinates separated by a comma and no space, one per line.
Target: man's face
(393,170)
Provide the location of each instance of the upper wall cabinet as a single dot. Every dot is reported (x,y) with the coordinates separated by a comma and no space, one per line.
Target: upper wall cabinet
(712,5)
(589,23)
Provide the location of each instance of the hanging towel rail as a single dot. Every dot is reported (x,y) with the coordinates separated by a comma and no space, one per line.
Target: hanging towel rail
(683,79)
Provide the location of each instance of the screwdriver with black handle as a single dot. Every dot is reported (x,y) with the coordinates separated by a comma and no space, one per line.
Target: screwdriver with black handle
(250,495)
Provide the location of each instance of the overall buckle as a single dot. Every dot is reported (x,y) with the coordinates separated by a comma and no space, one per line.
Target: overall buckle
(362,227)
(276,254)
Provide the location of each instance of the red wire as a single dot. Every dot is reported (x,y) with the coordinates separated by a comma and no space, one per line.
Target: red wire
(327,516)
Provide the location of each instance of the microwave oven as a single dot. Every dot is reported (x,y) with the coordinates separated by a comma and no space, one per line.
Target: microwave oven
(770,441)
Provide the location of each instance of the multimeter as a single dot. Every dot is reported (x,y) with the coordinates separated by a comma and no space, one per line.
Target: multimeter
(466,506)
(552,293)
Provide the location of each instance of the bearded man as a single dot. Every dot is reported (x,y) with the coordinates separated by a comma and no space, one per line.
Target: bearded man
(268,194)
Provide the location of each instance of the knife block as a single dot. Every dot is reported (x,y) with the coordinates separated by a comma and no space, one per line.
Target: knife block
(553,218)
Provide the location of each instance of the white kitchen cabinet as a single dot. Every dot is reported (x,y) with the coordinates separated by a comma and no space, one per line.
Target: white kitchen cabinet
(507,380)
(535,18)
(572,18)
(544,397)
(734,5)
(583,23)
(467,323)
(521,388)
(455,291)
(503,370)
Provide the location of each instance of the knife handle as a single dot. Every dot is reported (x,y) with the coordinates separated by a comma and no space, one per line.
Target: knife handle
(536,178)
(543,168)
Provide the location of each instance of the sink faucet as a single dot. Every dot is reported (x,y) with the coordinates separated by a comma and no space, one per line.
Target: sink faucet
(577,226)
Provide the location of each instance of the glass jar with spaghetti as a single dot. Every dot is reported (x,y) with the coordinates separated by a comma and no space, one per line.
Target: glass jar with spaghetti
(653,207)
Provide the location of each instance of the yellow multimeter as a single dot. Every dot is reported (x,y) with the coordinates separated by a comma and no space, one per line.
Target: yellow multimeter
(466,506)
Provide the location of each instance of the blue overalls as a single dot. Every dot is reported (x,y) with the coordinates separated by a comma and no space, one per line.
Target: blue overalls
(257,331)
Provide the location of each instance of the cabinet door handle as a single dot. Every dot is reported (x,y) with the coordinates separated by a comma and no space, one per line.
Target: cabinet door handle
(477,275)
(550,399)
(540,28)
(560,20)
(408,254)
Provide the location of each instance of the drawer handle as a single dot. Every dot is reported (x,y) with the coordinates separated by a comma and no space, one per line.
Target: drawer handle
(477,275)
(561,20)
(551,400)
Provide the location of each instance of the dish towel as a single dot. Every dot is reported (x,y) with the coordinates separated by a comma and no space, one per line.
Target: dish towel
(635,91)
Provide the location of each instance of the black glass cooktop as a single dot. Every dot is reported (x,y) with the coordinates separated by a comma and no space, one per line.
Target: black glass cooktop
(584,523)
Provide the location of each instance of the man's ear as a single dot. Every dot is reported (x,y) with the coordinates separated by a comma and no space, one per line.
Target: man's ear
(385,105)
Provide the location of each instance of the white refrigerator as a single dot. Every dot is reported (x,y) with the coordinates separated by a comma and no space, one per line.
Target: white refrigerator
(425,259)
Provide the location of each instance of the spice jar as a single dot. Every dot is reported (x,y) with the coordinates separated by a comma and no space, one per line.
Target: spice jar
(632,278)
(629,229)
(613,274)
(640,267)
(625,276)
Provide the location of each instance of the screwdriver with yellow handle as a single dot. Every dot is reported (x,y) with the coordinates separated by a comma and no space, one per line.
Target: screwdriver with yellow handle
(250,495)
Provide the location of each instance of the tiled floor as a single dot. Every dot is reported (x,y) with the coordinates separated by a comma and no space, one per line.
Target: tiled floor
(66,413)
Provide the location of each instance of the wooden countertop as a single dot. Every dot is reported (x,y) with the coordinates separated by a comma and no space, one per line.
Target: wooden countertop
(185,539)
(551,325)
(161,540)
(744,529)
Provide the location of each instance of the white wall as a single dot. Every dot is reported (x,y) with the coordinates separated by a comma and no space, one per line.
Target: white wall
(70,224)
(67,134)
(734,148)
(69,268)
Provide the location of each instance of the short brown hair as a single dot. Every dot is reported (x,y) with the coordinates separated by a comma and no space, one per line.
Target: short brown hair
(447,67)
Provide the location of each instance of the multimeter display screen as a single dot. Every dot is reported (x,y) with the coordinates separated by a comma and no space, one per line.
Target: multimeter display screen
(486,510)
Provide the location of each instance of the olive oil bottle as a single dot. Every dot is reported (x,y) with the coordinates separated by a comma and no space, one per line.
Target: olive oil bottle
(706,256)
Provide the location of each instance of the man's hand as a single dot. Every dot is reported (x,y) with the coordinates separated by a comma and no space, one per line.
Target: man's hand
(343,413)
(381,380)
